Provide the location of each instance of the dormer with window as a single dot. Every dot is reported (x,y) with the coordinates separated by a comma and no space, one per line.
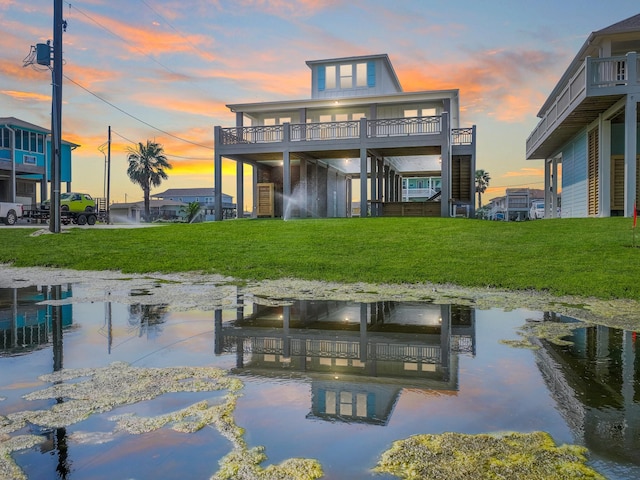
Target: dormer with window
(353,77)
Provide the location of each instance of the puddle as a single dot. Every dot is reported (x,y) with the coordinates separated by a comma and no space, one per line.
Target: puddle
(113,390)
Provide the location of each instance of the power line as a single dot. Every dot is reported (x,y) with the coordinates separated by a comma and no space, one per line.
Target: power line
(167,154)
(136,118)
(173,28)
(124,40)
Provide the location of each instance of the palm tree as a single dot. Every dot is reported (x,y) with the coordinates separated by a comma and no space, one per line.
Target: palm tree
(191,210)
(147,165)
(482,182)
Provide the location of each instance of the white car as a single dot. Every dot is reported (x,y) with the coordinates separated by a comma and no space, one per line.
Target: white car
(537,210)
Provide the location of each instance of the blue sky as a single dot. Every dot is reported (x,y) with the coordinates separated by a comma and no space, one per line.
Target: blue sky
(164,70)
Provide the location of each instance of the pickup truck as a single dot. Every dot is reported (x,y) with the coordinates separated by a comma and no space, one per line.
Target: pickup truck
(10,212)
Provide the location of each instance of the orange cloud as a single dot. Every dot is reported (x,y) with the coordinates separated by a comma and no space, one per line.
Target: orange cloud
(30,96)
(287,8)
(148,41)
(525,172)
(497,83)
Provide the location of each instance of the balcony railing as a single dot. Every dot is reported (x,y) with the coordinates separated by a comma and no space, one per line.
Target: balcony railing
(328,131)
(595,77)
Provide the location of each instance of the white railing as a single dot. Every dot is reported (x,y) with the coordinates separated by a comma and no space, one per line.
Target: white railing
(325,131)
(594,77)
(390,127)
(418,192)
(394,127)
(462,136)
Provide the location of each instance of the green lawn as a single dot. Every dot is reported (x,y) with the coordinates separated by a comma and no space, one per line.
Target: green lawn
(589,257)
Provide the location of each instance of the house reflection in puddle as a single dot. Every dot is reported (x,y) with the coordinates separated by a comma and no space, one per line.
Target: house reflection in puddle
(27,325)
(595,382)
(359,356)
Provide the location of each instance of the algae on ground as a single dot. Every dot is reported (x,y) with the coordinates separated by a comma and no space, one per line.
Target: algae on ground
(525,456)
(104,389)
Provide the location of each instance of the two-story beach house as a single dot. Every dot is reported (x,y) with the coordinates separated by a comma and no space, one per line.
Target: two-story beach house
(589,125)
(355,139)
(25,150)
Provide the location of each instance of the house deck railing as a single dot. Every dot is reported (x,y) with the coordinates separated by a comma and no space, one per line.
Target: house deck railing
(595,77)
(331,131)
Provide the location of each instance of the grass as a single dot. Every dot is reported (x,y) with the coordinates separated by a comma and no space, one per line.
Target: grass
(587,257)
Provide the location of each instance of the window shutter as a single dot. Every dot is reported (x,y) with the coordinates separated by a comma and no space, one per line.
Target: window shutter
(322,78)
(371,74)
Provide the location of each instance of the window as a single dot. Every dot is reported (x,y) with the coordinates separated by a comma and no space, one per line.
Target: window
(346,76)
(361,75)
(5,139)
(410,113)
(330,80)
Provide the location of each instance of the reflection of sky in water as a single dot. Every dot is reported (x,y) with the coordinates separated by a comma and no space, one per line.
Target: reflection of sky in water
(283,405)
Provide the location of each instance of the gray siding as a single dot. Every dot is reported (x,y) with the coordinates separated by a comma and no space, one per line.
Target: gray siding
(574,177)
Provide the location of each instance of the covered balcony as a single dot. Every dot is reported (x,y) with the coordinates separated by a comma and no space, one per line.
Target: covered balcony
(377,153)
(596,85)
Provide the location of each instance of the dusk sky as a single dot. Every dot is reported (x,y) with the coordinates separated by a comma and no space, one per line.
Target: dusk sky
(164,70)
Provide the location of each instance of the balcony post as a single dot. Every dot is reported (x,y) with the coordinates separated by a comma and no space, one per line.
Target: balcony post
(239,189)
(632,69)
(363,180)
(445,153)
(217,176)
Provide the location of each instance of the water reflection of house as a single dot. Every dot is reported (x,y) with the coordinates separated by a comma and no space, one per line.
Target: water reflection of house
(25,324)
(359,356)
(596,385)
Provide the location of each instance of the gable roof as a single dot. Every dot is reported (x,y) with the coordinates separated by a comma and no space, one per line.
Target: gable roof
(186,192)
(628,25)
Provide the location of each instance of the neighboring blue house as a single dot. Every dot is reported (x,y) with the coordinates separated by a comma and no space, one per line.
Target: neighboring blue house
(589,126)
(359,135)
(25,150)
(204,196)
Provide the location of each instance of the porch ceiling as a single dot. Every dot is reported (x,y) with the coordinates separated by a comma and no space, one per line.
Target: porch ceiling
(585,113)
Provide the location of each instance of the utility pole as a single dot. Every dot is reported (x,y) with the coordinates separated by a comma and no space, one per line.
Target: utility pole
(56,116)
(108,174)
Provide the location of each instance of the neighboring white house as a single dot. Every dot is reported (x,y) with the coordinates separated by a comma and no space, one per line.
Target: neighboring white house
(360,127)
(515,204)
(589,124)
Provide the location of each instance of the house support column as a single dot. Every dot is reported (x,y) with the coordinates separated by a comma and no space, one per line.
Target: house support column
(363,182)
(554,188)
(630,152)
(391,179)
(254,189)
(383,184)
(551,188)
(302,188)
(604,170)
(239,189)
(374,186)
(314,190)
(445,153)
(217,178)
(286,183)
(349,196)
